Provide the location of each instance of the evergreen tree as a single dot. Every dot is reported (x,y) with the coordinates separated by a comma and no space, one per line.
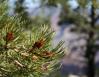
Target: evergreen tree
(25,53)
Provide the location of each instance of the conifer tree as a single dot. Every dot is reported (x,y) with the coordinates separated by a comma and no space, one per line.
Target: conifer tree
(25,53)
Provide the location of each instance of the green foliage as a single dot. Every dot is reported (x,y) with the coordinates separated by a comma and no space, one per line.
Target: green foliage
(3,13)
(26,53)
(83,3)
(20,12)
(23,54)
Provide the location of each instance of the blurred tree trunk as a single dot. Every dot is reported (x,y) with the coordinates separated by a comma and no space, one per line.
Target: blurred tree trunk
(90,53)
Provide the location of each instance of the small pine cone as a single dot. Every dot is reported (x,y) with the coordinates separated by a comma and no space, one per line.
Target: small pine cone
(34,57)
(39,43)
(48,54)
(9,36)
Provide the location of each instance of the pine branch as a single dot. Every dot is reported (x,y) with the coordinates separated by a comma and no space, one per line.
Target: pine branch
(26,53)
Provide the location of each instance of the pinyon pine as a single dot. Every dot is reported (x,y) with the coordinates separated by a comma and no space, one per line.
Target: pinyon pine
(26,53)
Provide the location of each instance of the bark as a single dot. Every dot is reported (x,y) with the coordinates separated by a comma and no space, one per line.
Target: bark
(90,53)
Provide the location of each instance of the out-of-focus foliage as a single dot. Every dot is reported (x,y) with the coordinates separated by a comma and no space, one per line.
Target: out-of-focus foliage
(84,20)
(83,3)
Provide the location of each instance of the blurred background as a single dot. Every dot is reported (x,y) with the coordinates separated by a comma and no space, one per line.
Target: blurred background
(70,20)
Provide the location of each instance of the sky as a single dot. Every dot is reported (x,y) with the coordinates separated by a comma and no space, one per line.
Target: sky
(73,3)
(36,3)
(32,4)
